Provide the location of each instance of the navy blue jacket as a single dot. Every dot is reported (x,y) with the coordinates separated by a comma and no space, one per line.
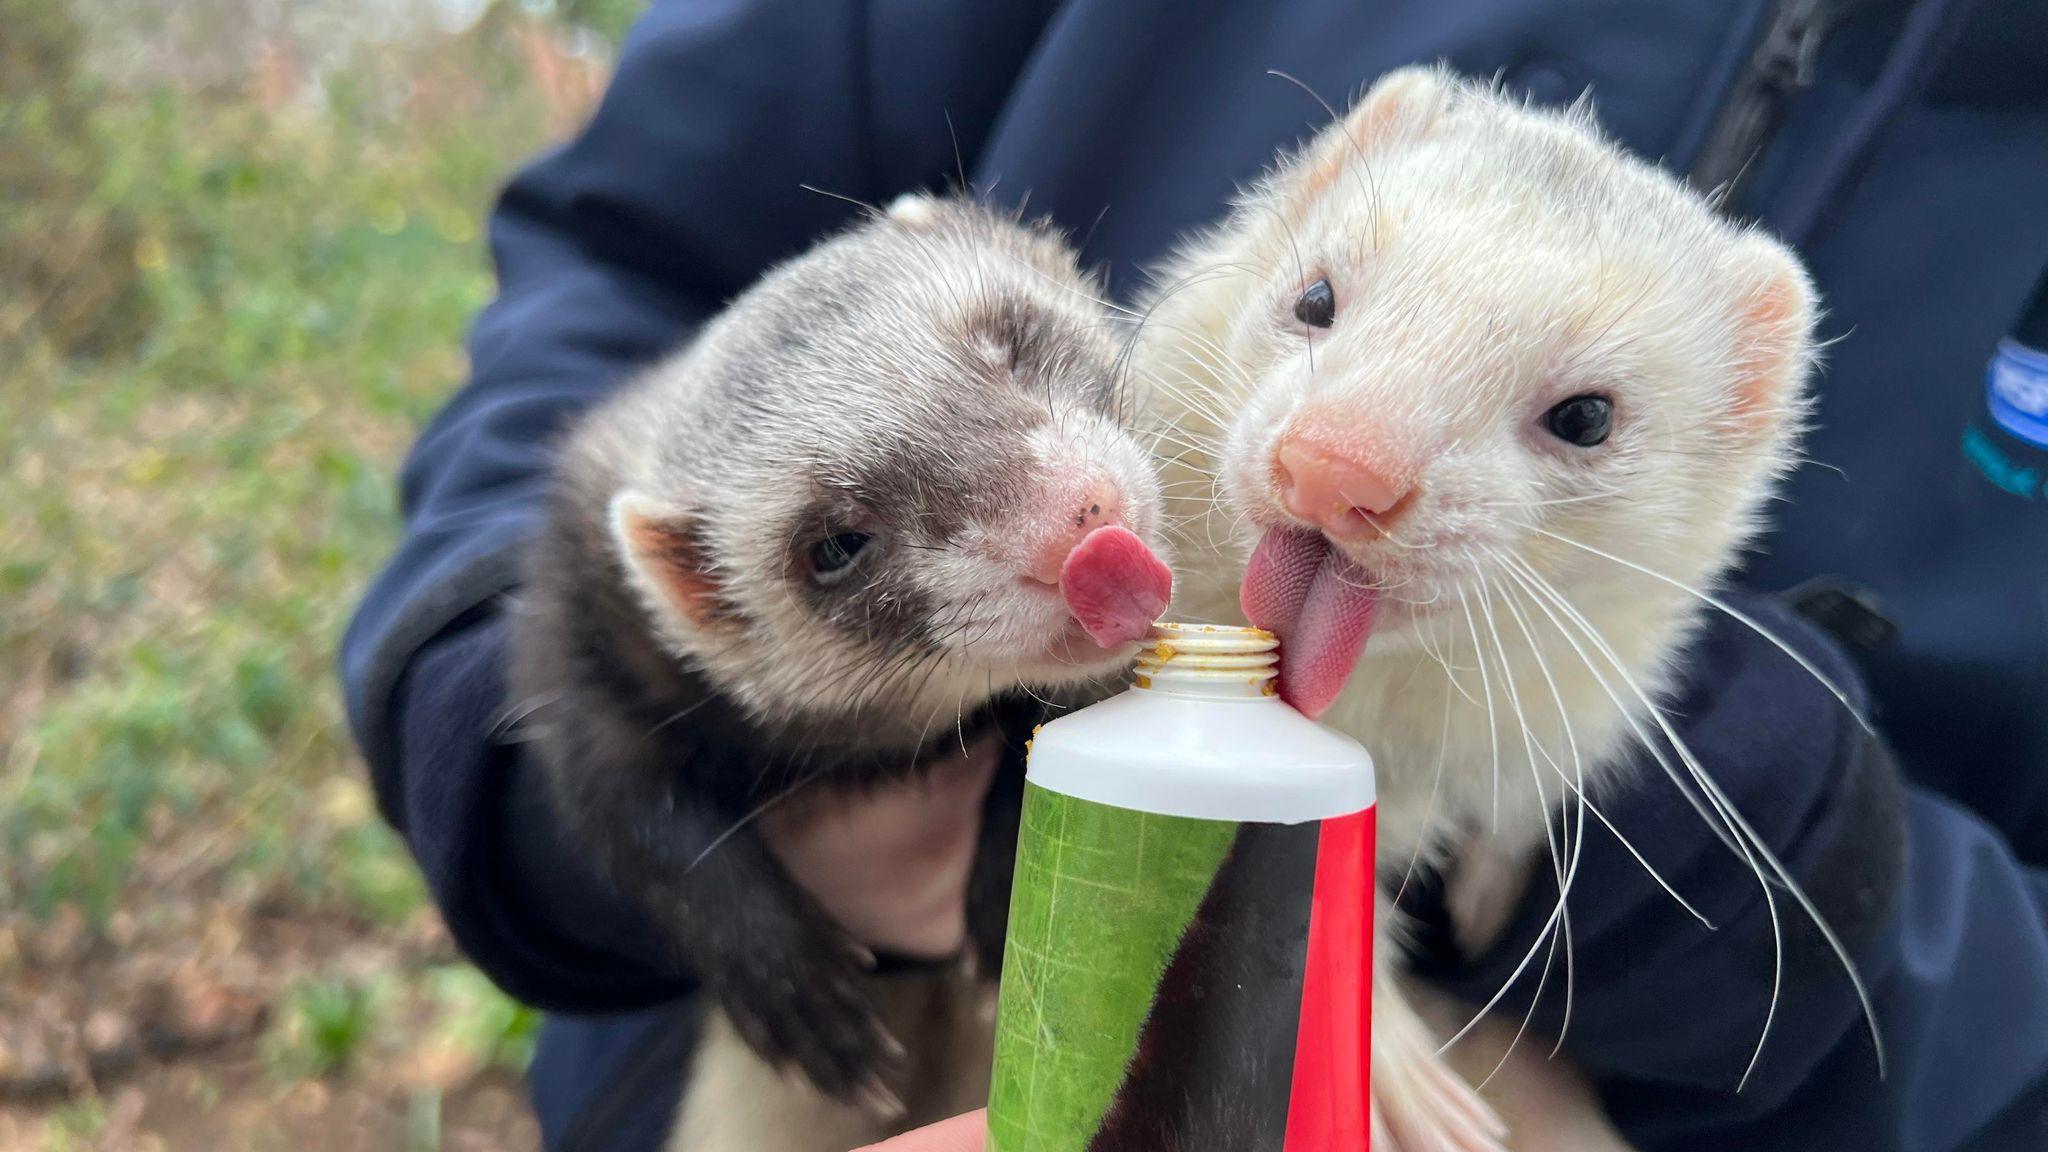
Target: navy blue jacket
(1911,169)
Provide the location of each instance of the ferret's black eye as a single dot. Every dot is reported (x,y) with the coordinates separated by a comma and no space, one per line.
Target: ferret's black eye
(832,558)
(1317,307)
(1581,420)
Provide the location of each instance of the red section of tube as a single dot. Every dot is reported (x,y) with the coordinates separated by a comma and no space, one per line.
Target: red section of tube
(1328,1108)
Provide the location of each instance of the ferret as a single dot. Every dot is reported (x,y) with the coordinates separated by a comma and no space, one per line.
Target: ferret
(1463,375)
(881,506)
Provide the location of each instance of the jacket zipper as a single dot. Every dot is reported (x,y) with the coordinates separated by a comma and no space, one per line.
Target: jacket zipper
(1779,68)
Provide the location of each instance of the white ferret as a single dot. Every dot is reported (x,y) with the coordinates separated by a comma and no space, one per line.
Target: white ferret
(1463,375)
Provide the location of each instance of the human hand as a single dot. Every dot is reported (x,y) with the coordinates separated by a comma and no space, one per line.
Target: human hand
(891,863)
(967,1133)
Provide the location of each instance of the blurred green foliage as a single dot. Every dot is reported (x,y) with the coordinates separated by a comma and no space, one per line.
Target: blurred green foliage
(495,1031)
(329,1026)
(324,1026)
(224,312)
(77,1125)
(231,289)
(64,235)
(609,19)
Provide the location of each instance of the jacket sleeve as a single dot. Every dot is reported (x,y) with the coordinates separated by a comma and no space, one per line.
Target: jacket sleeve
(1948,931)
(693,176)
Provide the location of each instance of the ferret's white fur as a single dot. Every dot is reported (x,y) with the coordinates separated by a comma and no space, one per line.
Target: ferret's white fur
(1488,260)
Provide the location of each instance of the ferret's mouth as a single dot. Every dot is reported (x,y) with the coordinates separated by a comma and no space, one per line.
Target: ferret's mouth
(1058,641)
(1115,586)
(1320,603)
(1111,588)
(1072,647)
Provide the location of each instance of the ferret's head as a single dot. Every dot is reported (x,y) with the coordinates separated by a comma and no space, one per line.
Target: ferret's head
(1490,347)
(859,493)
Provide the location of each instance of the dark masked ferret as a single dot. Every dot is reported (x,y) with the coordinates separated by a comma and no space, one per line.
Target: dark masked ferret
(834,536)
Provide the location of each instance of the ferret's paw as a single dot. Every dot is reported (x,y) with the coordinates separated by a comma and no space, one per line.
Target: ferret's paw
(1419,1103)
(815,1014)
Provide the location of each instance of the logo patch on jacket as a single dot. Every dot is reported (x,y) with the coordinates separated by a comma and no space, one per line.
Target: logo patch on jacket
(2018,384)
(2016,387)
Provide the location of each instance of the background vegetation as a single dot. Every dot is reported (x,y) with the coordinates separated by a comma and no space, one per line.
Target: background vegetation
(239,247)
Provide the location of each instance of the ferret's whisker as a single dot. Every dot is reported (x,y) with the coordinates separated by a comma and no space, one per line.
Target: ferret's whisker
(752,815)
(1486,685)
(1561,915)
(1126,359)
(1734,613)
(1205,351)
(1193,394)
(1101,302)
(1187,445)
(1577,785)
(1585,801)
(1429,810)
(517,713)
(1759,857)
(1387,535)
(871,209)
(1625,710)
(679,714)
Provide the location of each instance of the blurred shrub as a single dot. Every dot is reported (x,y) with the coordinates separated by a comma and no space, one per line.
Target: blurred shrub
(477,1020)
(188,514)
(77,1126)
(232,285)
(607,18)
(67,246)
(323,1027)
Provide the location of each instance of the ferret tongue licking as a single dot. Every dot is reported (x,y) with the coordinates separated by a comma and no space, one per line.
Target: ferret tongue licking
(1319,604)
(1115,586)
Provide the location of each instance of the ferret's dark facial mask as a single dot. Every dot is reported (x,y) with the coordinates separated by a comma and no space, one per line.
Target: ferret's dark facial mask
(1463,383)
(869,512)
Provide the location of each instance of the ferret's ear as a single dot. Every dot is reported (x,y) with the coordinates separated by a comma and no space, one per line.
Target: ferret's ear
(914,210)
(1773,325)
(1402,105)
(663,549)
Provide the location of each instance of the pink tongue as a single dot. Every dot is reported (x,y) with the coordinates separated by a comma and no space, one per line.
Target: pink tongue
(1318,603)
(1114,586)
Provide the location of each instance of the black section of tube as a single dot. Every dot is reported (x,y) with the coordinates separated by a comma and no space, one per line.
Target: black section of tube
(1215,1061)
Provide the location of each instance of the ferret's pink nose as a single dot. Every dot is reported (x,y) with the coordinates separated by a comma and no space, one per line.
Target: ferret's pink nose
(1098,508)
(1348,492)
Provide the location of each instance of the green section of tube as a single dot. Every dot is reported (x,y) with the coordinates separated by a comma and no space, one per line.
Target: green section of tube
(1101,897)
